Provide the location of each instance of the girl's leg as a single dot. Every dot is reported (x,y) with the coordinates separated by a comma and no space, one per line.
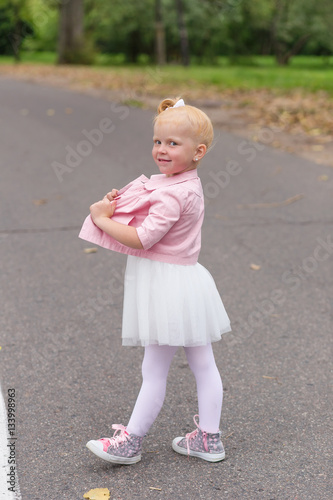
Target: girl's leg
(155,367)
(209,386)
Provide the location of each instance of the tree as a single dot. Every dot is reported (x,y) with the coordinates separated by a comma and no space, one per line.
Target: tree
(288,32)
(290,24)
(184,48)
(159,34)
(71,43)
(167,30)
(124,28)
(15,26)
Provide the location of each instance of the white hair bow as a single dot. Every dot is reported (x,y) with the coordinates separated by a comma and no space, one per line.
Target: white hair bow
(179,103)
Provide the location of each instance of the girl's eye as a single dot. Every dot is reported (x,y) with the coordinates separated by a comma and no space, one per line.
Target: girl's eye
(157,142)
(173,143)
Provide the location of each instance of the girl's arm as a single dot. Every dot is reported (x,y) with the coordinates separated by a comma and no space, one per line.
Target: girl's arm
(101,213)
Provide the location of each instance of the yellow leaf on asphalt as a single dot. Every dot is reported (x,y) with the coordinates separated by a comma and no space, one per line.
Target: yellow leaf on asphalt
(255,267)
(323,178)
(97,494)
(90,250)
(274,204)
(315,131)
(42,201)
(50,112)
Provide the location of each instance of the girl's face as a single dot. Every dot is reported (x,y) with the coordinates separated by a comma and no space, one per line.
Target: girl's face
(175,148)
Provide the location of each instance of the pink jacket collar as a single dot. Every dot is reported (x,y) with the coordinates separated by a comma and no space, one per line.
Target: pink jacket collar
(161,180)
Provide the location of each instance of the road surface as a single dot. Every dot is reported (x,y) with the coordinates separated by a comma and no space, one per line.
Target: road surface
(267,240)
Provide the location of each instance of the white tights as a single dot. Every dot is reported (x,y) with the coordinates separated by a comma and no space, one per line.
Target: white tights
(155,367)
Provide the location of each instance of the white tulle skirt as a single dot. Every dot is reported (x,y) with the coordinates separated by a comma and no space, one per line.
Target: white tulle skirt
(171,304)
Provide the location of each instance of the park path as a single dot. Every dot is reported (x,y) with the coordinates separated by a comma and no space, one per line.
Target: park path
(302,120)
(267,240)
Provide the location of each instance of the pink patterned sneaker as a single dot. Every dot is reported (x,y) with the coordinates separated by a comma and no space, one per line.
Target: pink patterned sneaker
(122,448)
(200,444)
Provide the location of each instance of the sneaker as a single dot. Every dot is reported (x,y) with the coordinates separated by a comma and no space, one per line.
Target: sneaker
(200,444)
(122,448)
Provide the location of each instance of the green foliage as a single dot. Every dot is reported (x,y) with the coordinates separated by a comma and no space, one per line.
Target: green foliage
(6,29)
(44,18)
(122,27)
(124,31)
(15,25)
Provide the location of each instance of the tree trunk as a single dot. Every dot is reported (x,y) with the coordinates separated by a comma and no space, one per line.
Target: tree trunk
(159,34)
(284,58)
(183,34)
(15,38)
(70,43)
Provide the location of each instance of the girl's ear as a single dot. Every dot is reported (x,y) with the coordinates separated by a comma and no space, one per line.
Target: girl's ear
(200,152)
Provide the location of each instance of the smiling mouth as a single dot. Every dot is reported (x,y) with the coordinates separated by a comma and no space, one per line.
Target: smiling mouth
(162,160)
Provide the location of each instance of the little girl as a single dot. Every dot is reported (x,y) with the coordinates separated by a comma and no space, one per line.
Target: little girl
(170,300)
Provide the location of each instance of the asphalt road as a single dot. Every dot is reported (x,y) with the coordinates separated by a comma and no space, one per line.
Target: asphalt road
(61,309)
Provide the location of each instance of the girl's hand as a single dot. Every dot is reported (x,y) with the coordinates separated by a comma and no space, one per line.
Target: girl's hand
(102,208)
(111,195)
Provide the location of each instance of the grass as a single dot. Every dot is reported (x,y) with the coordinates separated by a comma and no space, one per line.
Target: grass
(254,78)
(32,57)
(256,72)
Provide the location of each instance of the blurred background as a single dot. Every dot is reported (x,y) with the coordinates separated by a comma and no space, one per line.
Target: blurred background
(254,63)
(196,32)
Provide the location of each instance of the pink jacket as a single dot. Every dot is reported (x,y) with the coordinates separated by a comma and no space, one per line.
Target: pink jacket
(167,213)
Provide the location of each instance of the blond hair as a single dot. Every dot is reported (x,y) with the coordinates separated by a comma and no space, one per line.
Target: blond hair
(198,120)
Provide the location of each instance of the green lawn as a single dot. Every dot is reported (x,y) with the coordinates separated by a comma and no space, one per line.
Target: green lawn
(256,77)
(307,72)
(32,57)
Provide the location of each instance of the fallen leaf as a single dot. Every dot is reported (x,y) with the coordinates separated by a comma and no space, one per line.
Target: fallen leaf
(50,112)
(323,178)
(315,131)
(274,204)
(97,494)
(317,147)
(272,378)
(90,250)
(42,201)
(255,267)
(278,170)
(219,216)
(24,112)
(152,488)
(68,111)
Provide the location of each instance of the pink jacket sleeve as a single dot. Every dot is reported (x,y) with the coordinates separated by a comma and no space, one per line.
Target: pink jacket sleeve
(165,210)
